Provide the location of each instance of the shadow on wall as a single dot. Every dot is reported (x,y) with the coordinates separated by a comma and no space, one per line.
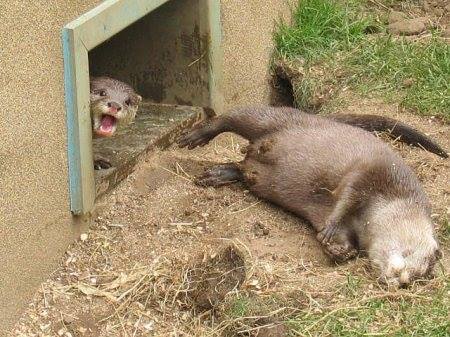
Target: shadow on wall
(164,56)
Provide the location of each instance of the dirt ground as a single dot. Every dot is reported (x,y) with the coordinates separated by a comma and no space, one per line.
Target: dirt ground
(136,272)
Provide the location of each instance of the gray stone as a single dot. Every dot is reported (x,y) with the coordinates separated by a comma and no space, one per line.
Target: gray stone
(396,16)
(408,26)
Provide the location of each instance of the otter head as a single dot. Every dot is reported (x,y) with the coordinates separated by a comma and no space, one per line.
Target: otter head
(405,249)
(113,104)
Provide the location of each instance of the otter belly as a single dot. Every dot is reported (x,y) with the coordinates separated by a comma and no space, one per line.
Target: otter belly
(299,169)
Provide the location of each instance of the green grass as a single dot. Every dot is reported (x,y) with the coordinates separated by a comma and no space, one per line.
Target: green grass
(333,35)
(377,318)
(385,65)
(353,310)
(380,317)
(319,28)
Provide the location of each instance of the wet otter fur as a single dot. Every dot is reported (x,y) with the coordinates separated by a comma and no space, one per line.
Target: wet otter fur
(113,104)
(356,192)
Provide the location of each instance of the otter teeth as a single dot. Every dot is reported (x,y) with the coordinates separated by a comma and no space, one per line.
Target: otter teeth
(107,123)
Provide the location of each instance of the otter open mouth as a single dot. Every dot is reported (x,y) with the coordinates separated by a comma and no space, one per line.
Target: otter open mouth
(107,125)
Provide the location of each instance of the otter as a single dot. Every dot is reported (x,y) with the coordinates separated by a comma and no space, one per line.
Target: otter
(356,192)
(113,104)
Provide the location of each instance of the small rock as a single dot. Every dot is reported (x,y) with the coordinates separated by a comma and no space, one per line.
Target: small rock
(150,326)
(260,229)
(438,12)
(82,330)
(408,27)
(408,82)
(396,16)
(83,237)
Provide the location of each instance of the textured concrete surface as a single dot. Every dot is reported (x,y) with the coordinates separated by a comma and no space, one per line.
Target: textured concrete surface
(35,222)
(247,45)
(156,126)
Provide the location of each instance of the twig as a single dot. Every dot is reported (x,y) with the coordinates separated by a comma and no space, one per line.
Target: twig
(176,174)
(244,209)
(195,61)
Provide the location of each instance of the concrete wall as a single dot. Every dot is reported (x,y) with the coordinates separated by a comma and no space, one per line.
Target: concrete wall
(157,59)
(35,222)
(164,56)
(247,45)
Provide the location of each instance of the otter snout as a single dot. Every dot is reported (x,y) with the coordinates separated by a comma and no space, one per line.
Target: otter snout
(403,269)
(396,273)
(114,107)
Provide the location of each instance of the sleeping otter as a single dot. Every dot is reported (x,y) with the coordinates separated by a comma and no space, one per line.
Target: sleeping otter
(355,191)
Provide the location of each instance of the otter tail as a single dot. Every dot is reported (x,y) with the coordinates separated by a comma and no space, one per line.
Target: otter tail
(394,129)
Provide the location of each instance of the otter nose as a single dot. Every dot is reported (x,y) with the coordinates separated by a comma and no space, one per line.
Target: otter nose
(404,279)
(114,106)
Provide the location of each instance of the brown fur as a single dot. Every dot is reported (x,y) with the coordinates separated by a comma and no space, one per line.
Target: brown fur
(394,128)
(354,190)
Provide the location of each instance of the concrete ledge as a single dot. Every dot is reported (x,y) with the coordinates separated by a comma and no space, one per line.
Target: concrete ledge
(156,126)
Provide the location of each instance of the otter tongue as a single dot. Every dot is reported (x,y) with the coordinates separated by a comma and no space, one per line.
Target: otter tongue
(108,123)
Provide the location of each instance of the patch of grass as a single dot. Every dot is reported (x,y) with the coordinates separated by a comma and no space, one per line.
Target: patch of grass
(415,74)
(239,307)
(444,228)
(352,309)
(320,27)
(405,316)
(332,35)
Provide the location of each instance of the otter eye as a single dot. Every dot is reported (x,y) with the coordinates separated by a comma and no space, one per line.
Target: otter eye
(102,93)
(128,102)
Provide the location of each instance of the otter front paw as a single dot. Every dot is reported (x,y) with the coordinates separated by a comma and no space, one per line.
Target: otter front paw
(198,136)
(327,233)
(101,164)
(341,252)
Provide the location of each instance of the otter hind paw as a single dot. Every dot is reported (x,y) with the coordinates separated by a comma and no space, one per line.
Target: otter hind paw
(219,175)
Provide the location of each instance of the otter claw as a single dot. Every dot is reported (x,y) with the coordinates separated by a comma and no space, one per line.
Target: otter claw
(328,232)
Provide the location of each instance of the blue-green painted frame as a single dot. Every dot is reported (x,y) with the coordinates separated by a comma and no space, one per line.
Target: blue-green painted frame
(78,38)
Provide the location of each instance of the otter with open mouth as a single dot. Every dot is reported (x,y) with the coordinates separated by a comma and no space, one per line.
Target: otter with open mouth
(113,105)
